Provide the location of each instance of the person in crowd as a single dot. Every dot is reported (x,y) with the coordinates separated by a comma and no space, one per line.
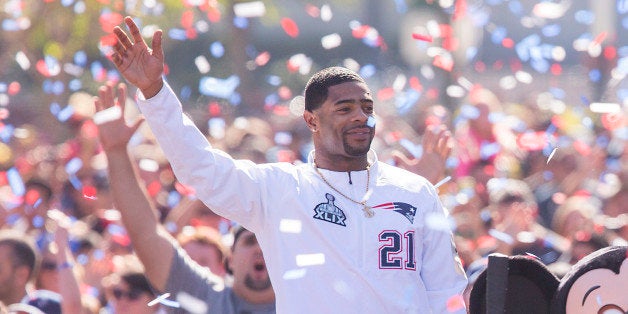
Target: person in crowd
(205,246)
(128,290)
(515,225)
(167,267)
(343,227)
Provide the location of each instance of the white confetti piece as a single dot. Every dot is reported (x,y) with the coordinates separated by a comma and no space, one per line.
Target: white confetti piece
(202,64)
(294,274)
(22,60)
(506,238)
(370,122)
(443,181)
(290,226)
(331,41)
(551,155)
(148,165)
(603,107)
(310,259)
(191,304)
(159,299)
(249,9)
(107,115)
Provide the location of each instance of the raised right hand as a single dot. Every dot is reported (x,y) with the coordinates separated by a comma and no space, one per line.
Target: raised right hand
(138,64)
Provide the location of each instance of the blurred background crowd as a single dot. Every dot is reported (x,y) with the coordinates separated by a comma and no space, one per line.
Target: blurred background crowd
(533,92)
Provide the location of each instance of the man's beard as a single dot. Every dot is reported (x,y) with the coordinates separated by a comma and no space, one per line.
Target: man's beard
(257,285)
(356,151)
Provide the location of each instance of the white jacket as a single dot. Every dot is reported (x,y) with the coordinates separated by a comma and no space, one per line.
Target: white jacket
(323,257)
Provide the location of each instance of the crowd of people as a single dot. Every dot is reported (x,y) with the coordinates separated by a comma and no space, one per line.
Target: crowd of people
(104,233)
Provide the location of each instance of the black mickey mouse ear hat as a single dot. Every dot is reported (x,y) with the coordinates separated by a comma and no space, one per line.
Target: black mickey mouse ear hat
(513,285)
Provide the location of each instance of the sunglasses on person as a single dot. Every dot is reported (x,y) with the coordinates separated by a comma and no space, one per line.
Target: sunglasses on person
(131,295)
(48,265)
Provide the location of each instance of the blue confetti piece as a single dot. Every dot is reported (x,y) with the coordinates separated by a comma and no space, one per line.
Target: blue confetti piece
(10,25)
(404,101)
(469,112)
(558,93)
(177,34)
(65,113)
(7,132)
(75,85)
(551,30)
(217,49)
(82,259)
(471,52)
(115,229)
(173,198)
(368,70)
(98,254)
(15,182)
(80,58)
(622,94)
(595,75)
(211,86)
(585,100)
(186,93)
(12,219)
(55,108)
(622,6)
(58,87)
(401,6)
(273,80)
(235,99)
(271,99)
(73,166)
(488,150)
(38,221)
(624,22)
(498,35)
(96,69)
(76,182)
(415,150)
(515,7)
(67,3)
(584,17)
(540,65)
(240,22)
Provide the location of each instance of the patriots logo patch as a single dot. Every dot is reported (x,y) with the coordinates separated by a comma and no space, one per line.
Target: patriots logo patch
(330,212)
(405,209)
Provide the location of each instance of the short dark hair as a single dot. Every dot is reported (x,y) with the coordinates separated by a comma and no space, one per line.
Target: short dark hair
(23,251)
(137,281)
(318,86)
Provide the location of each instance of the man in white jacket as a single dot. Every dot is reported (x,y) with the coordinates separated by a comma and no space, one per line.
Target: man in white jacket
(343,233)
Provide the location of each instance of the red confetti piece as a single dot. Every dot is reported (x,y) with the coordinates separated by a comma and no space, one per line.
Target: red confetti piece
(610,52)
(422,37)
(599,38)
(42,68)
(460,9)
(187,19)
(361,31)
(508,43)
(290,27)
(532,141)
(613,121)
(284,92)
(14,88)
(581,147)
(455,303)
(184,189)
(214,109)
(416,84)
(262,59)
(89,192)
(385,93)
(31,197)
(556,69)
(281,111)
(153,188)
(4,113)
(110,20)
(444,63)
(89,129)
(191,33)
(312,10)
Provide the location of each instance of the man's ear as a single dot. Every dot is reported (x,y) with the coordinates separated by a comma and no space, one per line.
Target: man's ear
(311,120)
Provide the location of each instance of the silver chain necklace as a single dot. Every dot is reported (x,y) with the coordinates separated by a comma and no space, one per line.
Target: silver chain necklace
(368,212)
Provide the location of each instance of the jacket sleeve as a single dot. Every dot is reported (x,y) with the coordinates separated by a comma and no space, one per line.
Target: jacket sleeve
(229,187)
(442,271)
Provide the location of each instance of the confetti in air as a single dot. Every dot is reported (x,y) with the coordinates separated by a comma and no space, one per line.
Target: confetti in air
(163,299)
(551,155)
